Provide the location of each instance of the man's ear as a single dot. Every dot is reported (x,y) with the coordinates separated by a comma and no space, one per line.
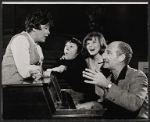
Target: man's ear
(122,57)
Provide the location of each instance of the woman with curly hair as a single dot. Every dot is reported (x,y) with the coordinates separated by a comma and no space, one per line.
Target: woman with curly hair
(23,57)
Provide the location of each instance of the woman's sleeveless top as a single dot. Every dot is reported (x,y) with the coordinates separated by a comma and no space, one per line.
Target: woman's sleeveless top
(10,74)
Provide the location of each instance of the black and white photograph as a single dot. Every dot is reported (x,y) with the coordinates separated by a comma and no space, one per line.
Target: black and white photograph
(64,61)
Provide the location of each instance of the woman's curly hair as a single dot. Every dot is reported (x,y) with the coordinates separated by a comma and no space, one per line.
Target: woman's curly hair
(37,18)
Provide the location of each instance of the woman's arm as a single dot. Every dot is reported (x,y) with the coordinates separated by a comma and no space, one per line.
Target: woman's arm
(20,51)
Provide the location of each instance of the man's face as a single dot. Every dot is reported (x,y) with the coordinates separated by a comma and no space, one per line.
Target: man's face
(43,33)
(110,57)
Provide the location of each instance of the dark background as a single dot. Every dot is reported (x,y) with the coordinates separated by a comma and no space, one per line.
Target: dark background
(125,22)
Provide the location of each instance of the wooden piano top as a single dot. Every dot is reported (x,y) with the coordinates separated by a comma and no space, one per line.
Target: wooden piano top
(42,100)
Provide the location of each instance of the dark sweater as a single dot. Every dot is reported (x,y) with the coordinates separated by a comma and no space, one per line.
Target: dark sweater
(73,76)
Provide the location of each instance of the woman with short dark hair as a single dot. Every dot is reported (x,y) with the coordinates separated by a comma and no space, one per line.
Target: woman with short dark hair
(23,57)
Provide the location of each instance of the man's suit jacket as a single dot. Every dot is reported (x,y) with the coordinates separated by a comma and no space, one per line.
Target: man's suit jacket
(128,97)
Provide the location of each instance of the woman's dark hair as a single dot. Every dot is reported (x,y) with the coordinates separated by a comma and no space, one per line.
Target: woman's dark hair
(77,42)
(37,18)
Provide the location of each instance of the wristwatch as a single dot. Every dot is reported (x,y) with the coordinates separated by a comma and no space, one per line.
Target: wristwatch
(109,86)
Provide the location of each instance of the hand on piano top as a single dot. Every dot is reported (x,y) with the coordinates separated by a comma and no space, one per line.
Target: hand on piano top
(37,78)
(36,75)
(42,80)
(47,73)
(40,77)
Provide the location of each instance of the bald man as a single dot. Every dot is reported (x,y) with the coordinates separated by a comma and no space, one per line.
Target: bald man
(126,89)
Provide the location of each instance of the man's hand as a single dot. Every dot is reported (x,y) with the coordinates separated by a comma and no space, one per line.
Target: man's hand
(95,77)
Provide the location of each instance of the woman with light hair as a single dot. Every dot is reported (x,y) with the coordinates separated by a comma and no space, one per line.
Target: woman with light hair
(94,45)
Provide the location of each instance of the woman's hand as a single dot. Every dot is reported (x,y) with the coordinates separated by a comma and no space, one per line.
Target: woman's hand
(46,73)
(63,57)
(90,105)
(87,105)
(36,74)
(60,69)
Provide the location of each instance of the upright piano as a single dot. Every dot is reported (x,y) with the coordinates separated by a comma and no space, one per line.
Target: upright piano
(43,100)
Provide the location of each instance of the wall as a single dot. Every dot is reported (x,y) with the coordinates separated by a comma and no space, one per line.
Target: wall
(117,22)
